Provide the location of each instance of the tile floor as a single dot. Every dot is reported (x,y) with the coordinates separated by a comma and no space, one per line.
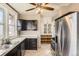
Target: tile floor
(45,50)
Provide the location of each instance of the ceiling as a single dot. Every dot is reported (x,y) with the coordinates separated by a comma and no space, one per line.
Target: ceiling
(21,7)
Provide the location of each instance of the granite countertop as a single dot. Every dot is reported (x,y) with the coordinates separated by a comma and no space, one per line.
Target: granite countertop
(15,42)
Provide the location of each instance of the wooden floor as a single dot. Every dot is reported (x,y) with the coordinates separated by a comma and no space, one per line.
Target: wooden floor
(45,50)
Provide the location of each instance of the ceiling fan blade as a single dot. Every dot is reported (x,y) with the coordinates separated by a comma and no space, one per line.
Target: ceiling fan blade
(47,8)
(46,3)
(30,9)
(33,4)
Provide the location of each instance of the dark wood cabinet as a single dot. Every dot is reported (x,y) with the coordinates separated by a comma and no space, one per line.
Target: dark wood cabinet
(29,25)
(27,44)
(18,50)
(23,48)
(31,44)
(12,53)
(23,27)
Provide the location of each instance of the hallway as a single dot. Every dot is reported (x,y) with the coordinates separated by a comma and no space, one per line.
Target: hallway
(45,50)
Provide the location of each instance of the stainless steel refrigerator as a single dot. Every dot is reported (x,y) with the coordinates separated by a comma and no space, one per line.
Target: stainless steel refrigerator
(67,33)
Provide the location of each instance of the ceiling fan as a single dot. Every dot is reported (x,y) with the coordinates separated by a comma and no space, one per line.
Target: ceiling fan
(41,6)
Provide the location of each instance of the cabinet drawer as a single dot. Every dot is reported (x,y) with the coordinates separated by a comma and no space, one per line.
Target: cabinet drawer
(34,45)
(33,42)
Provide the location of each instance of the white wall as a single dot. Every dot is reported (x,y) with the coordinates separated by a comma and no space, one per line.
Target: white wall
(71,7)
(53,28)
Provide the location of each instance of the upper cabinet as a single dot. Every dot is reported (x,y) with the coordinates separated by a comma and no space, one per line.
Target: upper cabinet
(29,25)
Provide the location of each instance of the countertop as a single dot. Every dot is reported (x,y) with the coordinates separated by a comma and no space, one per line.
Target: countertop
(15,42)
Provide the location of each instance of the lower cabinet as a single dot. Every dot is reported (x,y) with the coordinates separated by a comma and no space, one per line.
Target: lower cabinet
(12,53)
(31,44)
(27,44)
(18,50)
(23,48)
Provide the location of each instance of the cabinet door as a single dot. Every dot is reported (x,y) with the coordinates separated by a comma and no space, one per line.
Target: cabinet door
(26,44)
(12,53)
(23,48)
(23,25)
(19,50)
(33,44)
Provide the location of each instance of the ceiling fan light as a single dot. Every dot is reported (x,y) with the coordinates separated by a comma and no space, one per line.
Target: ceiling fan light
(43,4)
(39,11)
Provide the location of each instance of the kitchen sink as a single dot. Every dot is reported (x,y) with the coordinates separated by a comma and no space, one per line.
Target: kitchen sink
(6,46)
(2,51)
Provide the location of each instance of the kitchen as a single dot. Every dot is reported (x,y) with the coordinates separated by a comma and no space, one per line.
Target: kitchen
(37,32)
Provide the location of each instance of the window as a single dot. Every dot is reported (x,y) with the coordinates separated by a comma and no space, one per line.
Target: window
(45,28)
(1,23)
(49,28)
(11,25)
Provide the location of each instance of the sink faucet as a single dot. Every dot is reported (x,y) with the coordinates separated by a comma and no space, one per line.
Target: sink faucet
(2,41)
(6,41)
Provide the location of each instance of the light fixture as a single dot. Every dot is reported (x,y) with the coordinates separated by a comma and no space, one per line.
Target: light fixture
(39,11)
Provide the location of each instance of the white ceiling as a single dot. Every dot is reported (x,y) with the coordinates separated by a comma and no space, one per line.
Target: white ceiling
(21,7)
